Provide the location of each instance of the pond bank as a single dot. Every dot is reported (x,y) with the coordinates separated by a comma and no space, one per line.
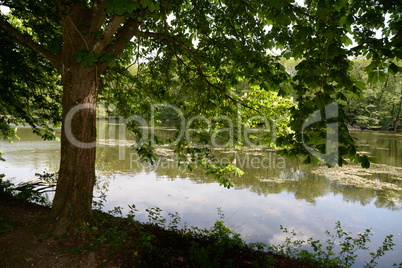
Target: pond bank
(22,243)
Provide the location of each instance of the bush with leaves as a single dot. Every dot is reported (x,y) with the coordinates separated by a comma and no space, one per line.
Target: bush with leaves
(339,250)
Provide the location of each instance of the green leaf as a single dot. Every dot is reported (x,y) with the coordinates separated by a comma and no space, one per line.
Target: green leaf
(365,161)
(352,150)
(121,7)
(238,172)
(109,7)
(87,59)
(307,160)
(393,68)
(346,40)
(371,67)
(131,6)
(341,96)
(376,76)
(112,63)
(360,85)
(145,3)
(80,55)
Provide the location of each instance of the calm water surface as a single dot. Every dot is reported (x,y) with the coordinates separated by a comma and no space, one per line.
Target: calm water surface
(274,191)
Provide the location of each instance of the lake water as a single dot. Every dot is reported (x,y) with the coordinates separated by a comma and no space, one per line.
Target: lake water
(274,191)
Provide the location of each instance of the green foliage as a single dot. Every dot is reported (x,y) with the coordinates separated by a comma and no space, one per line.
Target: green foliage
(125,242)
(6,186)
(154,216)
(98,203)
(30,91)
(380,103)
(87,59)
(339,250)
(218,246)
(146,152)
(26,191)
(121,8)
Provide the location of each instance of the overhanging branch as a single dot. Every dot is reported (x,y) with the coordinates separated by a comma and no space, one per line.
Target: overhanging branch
(131,28)
(178,42)
(193,59)
(27,40)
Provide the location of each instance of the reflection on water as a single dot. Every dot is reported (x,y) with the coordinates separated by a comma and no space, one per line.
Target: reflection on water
(274,191)
(385,147)
(268,173)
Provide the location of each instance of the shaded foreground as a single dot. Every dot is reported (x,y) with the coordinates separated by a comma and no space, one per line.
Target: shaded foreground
(112,242)
(23,242)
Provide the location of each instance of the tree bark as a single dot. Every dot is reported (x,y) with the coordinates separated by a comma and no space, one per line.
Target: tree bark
(79,25)
(76,179)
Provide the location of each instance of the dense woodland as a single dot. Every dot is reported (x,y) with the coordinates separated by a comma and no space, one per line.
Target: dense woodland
(379,106)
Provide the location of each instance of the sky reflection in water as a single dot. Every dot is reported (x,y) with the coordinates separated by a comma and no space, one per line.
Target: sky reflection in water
(259,203)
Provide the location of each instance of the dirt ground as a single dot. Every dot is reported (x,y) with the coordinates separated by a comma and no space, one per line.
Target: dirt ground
(22,239)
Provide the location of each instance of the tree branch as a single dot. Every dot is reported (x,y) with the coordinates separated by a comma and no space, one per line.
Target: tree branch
(131,29)
(98,15)
(173,40)
(108,33)
(123,36)
(125,33)
(193,59)
(27,40)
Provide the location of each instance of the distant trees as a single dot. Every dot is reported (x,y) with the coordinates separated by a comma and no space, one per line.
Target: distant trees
(379,106)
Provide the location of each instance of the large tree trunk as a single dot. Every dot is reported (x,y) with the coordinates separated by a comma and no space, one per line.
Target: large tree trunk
(76,179)
(83,30)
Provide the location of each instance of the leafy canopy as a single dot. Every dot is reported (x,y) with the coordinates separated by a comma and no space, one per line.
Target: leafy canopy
(197,55)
